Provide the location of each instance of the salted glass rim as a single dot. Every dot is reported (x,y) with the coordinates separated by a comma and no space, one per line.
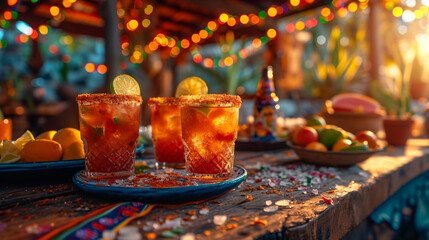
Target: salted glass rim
(211,100)
(164,101)
(96,98)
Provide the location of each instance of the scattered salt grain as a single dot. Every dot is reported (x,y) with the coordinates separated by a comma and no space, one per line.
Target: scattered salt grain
(282,203)
(188,236)
(271,208)
(168,170)
(132,177)
(128,229)
(130,236)
(283,183)
(268,202)
(37,230)
(175,223)
(272,184)
(149,226)
(315,191)
(305,192)
(108,235)
(219,219)
(204,211)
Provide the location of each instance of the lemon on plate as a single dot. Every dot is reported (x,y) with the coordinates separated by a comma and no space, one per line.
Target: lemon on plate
(9,152)
(67,136)
(125,84)
(24,139)
(47,135)
(191,86)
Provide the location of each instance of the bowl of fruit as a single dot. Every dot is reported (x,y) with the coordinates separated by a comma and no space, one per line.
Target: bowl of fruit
(333,146)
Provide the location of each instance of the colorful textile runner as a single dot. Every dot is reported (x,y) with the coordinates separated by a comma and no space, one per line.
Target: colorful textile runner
(91,226)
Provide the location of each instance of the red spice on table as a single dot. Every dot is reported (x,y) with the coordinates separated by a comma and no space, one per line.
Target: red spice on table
(234,218)
(259,222)
(150,235)
(231,226)
(192,212)
(249,198)
(276,192)
(327,200)
(289,190)
(261,187)
(207,233)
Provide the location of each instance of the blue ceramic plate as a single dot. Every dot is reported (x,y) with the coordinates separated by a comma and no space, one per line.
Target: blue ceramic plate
(18,167)
(171,195)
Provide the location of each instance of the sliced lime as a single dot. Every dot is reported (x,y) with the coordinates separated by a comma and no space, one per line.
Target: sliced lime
(125,85)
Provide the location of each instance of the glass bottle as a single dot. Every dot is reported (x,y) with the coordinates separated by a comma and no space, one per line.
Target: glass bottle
(265,107)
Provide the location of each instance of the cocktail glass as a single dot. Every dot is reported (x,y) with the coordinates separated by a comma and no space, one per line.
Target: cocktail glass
(209,131)
(6,129)
(109,126)
(167,132)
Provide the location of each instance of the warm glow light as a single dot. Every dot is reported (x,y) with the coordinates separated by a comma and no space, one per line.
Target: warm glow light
(228,61)
(244,53)
(418,13)
(325,12)
(397,11)
(7,15)
(254,19)
(148,9)
(22,38)
(43,29)
(290,27)
(174,52)
(208,63)
(120,12)
(204,34)
(389,5)
(197,58)
(90,67)
(195,38)
(244,19)
(34,34)
(231,22)
(12,2)
(256,43)
(271,33)
(212,25)
(67,3)
(125,45)
(153,46)
(132,25)
(294,2)
(102,69)
(53,49)
(342,12)
(352,7)
(66,58)
(272,12)
(171,42)
(223,18)
(185,43)
(145,23)
(300,25)
(68,39)
(54,10)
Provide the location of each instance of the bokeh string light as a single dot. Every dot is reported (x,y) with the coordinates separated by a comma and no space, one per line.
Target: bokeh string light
(407,10)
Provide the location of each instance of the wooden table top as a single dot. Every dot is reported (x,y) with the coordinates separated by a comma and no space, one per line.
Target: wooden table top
(29,202)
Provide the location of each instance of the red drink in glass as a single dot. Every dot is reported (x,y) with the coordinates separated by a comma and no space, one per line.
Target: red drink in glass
(209,131)
(6,129)
(167,132)
(109,126)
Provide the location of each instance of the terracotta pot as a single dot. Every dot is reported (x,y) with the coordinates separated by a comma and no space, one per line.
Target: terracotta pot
(397,130)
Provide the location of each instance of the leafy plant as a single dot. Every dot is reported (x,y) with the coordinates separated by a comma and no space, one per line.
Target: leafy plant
(393,90)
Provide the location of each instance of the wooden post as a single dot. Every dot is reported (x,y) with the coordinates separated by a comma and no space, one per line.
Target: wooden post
(375,48)
(112,41)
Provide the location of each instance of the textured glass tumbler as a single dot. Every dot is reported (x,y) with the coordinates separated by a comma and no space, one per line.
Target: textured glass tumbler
(167,132)
(209,131)
(109,126)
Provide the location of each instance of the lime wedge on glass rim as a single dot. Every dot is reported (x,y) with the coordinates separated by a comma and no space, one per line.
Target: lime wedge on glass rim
(191,86)
(125,85)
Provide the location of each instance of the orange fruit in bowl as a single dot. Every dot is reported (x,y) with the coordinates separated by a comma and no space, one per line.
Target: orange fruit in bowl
(47,135)
(41,150)
(76,150)
(368,136)
(316,120)
(316,146)
(305,135)
(67,136)
(341,144)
